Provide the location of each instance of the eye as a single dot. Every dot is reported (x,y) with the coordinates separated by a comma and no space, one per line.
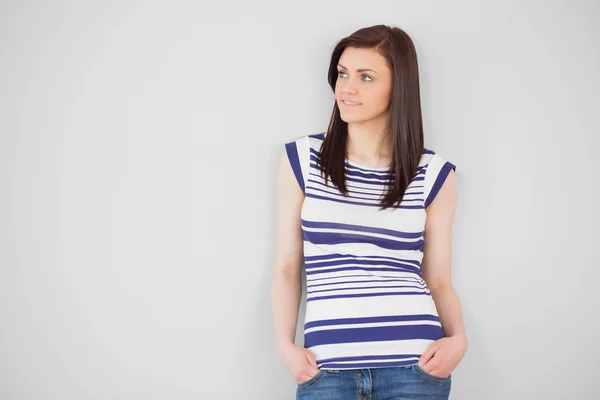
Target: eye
(364,75)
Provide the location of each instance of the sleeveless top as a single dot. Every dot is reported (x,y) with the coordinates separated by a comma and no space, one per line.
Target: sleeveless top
(367,305)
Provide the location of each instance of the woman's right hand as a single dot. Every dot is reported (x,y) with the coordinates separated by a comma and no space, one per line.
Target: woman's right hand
(300,362)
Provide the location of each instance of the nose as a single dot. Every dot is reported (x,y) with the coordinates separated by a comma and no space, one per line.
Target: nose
(348,86)
(349,89)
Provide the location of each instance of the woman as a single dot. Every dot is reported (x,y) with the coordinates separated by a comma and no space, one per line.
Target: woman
(369,211)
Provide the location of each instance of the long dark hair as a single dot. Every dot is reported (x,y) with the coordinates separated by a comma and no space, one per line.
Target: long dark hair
(405,120)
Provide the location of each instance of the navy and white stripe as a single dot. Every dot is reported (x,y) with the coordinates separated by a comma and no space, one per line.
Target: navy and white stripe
(367,303)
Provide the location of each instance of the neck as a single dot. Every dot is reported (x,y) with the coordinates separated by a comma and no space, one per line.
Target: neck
(369,142)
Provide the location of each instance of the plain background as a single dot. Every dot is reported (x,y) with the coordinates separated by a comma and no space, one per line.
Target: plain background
(138,152)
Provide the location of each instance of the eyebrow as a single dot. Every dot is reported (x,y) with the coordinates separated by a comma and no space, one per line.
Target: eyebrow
(359,70)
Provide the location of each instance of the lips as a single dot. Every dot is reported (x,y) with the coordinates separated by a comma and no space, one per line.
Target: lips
(351,103)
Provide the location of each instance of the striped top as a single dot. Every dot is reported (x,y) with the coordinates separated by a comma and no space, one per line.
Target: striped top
(367,305)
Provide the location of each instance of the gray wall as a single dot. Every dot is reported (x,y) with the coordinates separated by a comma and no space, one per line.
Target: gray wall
(138,147)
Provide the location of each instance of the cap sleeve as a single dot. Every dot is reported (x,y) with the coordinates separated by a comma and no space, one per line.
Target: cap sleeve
(437,171)
(298,154)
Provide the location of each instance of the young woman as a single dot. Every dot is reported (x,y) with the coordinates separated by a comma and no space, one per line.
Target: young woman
(369,212)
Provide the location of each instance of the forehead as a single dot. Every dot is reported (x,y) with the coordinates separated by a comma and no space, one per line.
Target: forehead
(355,58)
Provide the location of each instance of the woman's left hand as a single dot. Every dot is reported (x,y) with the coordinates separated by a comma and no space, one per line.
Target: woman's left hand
(443,355)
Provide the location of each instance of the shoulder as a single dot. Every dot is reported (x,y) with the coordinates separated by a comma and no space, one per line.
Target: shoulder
(306,140)
(305,146)
(439,172)
(436,162)
(315,140)
(300,151)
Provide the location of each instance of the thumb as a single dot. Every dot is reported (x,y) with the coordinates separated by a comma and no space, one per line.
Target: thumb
(311,358)
(428,354)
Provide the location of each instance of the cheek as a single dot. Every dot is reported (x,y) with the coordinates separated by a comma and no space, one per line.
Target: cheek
(338,90)
(381,97)
(373,99)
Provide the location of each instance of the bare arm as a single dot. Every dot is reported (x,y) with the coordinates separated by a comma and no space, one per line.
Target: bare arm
(437,259)
(286,282)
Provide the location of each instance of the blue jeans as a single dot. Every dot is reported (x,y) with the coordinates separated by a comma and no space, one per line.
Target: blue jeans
(392,383)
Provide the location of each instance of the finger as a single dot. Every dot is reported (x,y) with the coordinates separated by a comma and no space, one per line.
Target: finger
(428,354)
(430,364)
(437,372)
(433,367)
(309,373)
(311,365)
(312,369)
(310,357)
(305,378)
(426,367)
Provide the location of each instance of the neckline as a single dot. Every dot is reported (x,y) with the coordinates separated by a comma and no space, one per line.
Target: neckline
(355,164)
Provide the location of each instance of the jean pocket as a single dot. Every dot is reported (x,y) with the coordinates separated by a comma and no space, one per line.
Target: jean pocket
(316,378)
(431,377)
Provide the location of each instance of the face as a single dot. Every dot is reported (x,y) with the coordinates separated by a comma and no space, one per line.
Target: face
(364,78)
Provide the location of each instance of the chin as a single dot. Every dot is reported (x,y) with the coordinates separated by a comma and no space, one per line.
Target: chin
(348,119)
